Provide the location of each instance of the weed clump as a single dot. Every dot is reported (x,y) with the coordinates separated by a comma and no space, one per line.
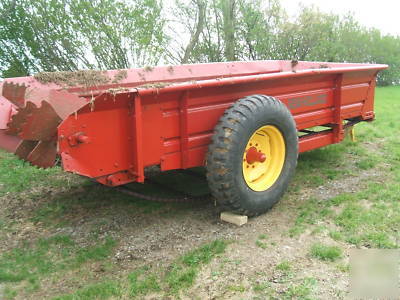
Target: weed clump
(326,253)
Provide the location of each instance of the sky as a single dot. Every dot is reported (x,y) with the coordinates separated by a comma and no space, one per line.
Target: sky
(382,14)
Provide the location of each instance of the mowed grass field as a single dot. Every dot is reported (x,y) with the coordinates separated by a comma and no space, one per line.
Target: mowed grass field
(65,237)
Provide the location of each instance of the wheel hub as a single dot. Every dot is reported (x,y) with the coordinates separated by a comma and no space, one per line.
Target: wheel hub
(263,158)
(253,155)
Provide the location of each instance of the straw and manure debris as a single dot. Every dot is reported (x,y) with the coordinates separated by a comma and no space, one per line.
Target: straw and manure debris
(86,78)
(121,75)
(155,85)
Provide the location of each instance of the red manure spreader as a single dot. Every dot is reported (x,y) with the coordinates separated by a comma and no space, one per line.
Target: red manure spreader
(245,122)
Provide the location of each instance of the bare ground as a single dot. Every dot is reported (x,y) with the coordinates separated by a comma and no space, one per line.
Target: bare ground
(160,236)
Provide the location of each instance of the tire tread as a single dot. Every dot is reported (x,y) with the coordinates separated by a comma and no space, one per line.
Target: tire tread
(219,168)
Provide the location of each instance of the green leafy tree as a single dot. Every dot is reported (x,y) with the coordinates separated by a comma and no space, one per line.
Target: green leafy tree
(232,30)
(37,35)
(257,29)
(57,35)
(120,34)
(206,34)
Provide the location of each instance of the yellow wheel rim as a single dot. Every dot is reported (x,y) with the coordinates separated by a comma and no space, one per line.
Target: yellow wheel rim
(263,158)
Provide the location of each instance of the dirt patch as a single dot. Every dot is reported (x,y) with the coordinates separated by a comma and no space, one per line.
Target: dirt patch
(349,184)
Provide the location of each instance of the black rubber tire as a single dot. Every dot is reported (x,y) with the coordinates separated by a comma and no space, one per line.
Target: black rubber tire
(225,154)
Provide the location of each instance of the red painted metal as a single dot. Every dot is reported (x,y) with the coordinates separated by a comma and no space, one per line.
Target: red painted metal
(78,138)
(8,142)
(138,169)
(252,155)
(166,115)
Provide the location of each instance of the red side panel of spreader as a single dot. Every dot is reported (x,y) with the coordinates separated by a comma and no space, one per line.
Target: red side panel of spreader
(166,115)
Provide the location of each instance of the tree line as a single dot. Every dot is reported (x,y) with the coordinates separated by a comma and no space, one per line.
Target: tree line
(58,35)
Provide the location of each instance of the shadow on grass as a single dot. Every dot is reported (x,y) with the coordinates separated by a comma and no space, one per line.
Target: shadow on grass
(72,197)
(92,199)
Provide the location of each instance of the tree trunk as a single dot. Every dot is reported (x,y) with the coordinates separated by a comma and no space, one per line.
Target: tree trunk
(228,13)
(194,39)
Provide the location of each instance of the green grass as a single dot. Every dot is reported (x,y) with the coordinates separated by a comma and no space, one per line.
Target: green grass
(23,268)
(362,219)
(180,275)
(366,164)
(102,290)
(9,293)
(284,266)
(72,193)
(92,198)
(183,272)
(326,252)
(344,268)
(261,287)
(284,272)
(18,176)
(262,237)
(321,165)
(142,284)
(302,290)
(50,255)
(237,288)
(368,217)
(261,244)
